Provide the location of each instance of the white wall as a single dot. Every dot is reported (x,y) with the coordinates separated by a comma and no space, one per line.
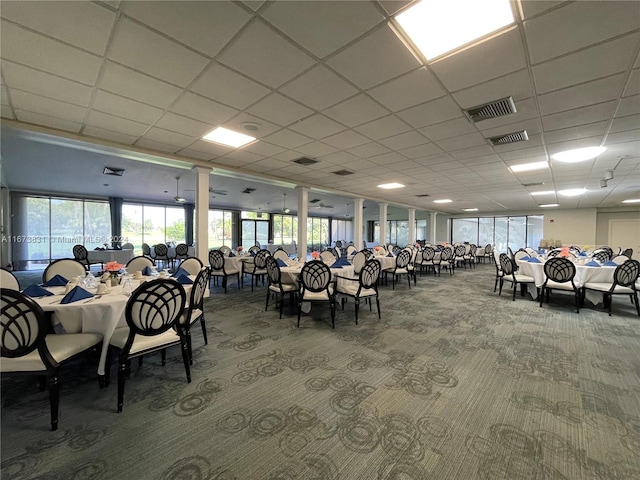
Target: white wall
(603,219)
(571,227)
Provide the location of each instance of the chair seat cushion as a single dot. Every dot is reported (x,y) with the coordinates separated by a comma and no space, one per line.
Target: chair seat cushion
(220,273)
(605,287)
(559,286)
(286,287)
(195,315)
(141,342)
(259,271)
(312,296)
(520,278)
(61,346)
(351,288)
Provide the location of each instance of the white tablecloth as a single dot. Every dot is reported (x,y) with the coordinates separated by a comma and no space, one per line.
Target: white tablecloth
(104,256)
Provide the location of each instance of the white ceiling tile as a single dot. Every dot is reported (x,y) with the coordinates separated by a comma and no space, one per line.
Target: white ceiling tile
(4,95)
(123,107)
(633,87)
(383,127)
(264,149)
(535,154)
(589,64)
(86,24)
(317,126)
(115,124)
(574,133)
(628,106)
(225,86)
(264,128)
(156,145)
(47,121)
(346,139)
(526,110)
(183,125)
(124,81)
(337,160)
(30,49)
(288,139)
(430,113)
(411,89)
(356,110)
(204,26)
(589,23)
(404,140)
(581,95)
(369,150)
(535,7)
(387,158)
(265,56)
(245,156)
(47,106)
(578,116)
(318,88)
(308,23)
(188,152)
(472,152)
(45,84)
(623,124)
(203,109)
(516,85)
(463,141)
(579,143)
(109,135)
(490,59)
(448,129)
(148,52)
(214,149)
(172,138)
(532,126)
(279,109)
(361,63)
(316,149)
(421,150)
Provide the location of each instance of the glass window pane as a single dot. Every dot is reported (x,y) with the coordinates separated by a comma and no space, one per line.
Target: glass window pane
(486,231)
(535,225)
(97,224)
(248,233)
(464,230)
(501,234)
(66,226)
(36,223)
(132,225)
(153,226)
(517,232)
(262,232)
(175,229)
(216,228)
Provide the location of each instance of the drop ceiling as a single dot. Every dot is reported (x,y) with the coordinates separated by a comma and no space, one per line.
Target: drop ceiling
(327,80)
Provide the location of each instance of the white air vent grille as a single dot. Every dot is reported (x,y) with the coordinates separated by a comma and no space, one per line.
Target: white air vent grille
(116,172)
(305,161)
(497,108)
(513,137)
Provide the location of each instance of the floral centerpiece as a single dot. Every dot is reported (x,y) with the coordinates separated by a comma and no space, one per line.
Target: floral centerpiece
(113,268)
(564,252)
(315,255)
(239,248)
(377,249)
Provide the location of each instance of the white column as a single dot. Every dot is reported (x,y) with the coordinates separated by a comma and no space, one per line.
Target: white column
(358,221)
(412,225)
(383,224)
(303,209)
(432,226)
(201,236)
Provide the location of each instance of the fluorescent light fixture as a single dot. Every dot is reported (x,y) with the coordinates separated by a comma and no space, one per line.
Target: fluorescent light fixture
(437,27)
(229,138)
(572,192)
(469,209)
(444,200)
(632,200)
(525,167)
(546,192)
(389,186)
(578,154)
(548,205)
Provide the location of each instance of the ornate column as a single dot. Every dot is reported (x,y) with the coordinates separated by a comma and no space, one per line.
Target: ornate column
(412,225)
(358,221)
(303,209)
(202,213)
(383,224)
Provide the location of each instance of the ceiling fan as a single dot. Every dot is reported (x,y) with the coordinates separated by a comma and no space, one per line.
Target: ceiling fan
(284,204)
(178,198)
(217,192)
(322,205)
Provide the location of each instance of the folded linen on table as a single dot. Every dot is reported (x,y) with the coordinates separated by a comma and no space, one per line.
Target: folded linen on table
(36,290)
(76,294)
(56,281)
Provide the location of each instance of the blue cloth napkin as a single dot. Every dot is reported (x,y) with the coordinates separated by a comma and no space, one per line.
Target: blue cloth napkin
(525,258)
(181,271)
(583,254)
(77,293)
(335,265)
(341,262)
(390,254)
(57,281)
(610,264)
(231,254)
(592,263)
(146,270)
(281,263)
(184,280)
(36,290)
(252,254)
(533,260)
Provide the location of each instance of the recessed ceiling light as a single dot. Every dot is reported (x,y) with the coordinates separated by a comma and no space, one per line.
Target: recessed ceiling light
(469,209)
(632,200)
(389,186)
(525,167)
(545,192)
(548,205)
(578,154)
(572,192)
(438,27)
(445,200)
(229,138)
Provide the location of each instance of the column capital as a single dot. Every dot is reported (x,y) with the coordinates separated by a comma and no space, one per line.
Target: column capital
(198,169)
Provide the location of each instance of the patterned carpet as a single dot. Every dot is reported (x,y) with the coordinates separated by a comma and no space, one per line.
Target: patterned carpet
(453,383)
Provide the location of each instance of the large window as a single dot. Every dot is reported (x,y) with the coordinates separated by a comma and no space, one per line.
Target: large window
(503,232)
(220,228)
(285,229)
(317,233)
(341,230)
(152,224)
(255,229)
(47,228)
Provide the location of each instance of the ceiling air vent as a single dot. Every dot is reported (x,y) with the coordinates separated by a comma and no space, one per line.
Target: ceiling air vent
(534,184)
(422,195)
(513,137)
(306,161)
(315,200)
(343,173)
(249,190)
(497,108)
(116,172)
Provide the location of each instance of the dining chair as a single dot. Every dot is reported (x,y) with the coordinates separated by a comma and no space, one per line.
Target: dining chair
(225,250)
(625,277)
(628,252)
(365,286)
(316,286)
(488,252)
(509,275)
(359,259)
(152,314)
(146,251)
(8,279)
(445,260)
(258,268)
(192,265)
(601,256)
(427,259)
(81,254)
(276,287)
(459,257)
(254,249)
(161,254)
(619,259)
(138,264)
(182,252)
(351,250)
(280,254)
(559,274)
(127,246)
(328,257)
(520,254)
(220,270)
(27,349)
(195,309)
(499,272)
(69,268)
(400,268)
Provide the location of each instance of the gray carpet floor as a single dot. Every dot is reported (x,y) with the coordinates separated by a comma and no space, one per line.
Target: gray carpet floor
(454,382)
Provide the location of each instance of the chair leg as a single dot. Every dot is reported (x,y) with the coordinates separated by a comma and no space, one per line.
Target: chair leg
(332,305)
(515,287)
(299,310)
(357,308)
(577,300)
(266,305)
(204,330)
(378,305)
(542,296)
(54,400)
(501,284)
(635,298)
(187,334)
(224,284)
(122,377)
(185,359)
(281,295)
